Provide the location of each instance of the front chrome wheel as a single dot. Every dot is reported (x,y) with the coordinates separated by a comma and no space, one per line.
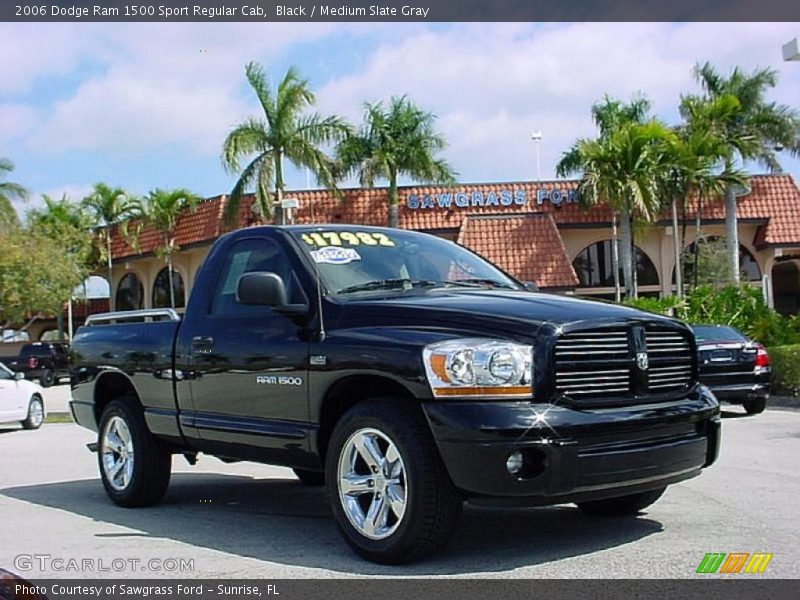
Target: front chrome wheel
(117,453)
(372,483)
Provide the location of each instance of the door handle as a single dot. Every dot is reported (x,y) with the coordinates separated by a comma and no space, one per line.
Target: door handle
(202,343)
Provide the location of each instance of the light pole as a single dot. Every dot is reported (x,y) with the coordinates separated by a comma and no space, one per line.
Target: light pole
(791,50)
(536,136)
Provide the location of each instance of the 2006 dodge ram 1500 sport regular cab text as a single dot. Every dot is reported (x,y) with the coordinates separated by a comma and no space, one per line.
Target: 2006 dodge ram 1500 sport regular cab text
(403,371)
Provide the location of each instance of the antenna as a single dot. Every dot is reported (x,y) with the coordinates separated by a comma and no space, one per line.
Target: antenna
(319,302)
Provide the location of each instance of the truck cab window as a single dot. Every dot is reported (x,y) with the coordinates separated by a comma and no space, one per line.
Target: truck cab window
(248,256)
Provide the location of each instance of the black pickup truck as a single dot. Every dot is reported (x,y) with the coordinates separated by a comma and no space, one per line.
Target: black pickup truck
(45,361)
(404,372)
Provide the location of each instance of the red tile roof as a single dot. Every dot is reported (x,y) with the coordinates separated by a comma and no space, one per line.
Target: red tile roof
(526,245)
(774,199)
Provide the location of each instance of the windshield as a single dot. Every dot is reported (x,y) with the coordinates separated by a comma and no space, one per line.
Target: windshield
(710,333)
(364,259)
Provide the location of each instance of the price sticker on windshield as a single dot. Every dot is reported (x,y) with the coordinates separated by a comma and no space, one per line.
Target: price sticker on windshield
(347,238)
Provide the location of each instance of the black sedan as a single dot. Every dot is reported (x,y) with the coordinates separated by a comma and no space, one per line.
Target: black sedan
(734,367)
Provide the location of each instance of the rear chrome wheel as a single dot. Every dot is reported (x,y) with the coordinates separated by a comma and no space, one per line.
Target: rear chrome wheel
(372,483)
(117,453)
(134,464)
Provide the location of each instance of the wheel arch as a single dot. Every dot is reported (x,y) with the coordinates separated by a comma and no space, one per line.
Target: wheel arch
(349,391)
(110,386)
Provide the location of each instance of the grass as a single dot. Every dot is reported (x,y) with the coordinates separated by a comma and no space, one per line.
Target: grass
(59,418)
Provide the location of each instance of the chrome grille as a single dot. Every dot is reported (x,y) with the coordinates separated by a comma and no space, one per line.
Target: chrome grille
(599,366)
(670,357)
(593,364)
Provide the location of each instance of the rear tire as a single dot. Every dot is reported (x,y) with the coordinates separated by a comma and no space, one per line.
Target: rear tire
(47,378)
(35,416)
(134,465)
(402,483)
(755,407)
(312,478)
(623,505)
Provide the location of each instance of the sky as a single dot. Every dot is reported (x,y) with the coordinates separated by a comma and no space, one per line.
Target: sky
(148,105)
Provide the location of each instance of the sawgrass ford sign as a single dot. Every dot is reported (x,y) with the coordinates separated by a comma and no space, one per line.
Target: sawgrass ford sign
(502,198)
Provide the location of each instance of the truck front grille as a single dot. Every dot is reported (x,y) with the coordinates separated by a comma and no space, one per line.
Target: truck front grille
(670,358)
(593,364)
(598,366)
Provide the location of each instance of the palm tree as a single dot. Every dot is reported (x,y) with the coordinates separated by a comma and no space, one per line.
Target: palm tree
(285,131)
(108,207)
(8,192)
(697,167)
(755,131)
(624,167)
(393,141)
(160,210)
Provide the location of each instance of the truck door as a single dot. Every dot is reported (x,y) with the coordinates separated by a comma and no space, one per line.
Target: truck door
(248,364)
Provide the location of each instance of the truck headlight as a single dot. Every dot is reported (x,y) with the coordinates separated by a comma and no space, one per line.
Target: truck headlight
(479,367)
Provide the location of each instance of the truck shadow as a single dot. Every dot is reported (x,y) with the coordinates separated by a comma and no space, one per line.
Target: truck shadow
(282,521)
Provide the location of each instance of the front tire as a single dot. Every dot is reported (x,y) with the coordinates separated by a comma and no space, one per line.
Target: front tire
(134,465)
(755,407)
(623,505)
(35,416)
(392,497)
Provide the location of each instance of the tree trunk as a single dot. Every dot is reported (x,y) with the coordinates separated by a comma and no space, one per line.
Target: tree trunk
(111,299)
(732,231)
(615,256)
(677,245)
(171,289)
(697,240)
(627,253)
(278,209)
(394,213)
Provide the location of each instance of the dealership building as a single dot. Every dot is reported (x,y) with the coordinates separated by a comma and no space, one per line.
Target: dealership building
(534,230)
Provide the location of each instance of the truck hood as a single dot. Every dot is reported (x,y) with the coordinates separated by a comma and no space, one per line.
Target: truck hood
(481,307)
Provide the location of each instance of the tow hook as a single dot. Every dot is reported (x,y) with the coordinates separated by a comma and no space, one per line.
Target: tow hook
(92,447)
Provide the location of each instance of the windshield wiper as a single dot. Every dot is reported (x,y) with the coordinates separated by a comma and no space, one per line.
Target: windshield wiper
(491,282)
(386,284)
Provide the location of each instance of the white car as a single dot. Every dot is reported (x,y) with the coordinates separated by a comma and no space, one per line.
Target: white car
(20,400)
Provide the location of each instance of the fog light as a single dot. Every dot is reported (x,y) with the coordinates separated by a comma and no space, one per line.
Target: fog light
(515,463)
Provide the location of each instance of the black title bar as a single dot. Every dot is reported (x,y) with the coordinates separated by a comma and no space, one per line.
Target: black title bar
(265,11)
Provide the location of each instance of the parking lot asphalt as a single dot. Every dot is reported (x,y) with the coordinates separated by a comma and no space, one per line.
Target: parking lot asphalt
(248,520)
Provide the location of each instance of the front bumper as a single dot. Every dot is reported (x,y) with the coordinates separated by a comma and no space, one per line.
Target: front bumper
(573,454)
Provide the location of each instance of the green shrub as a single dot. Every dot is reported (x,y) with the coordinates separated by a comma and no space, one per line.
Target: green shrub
(661,306)
(785,362)
(742,307)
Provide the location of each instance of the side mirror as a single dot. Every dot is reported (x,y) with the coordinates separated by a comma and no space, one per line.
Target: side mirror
(531,286)
(264,288)
(18,376)
(261,288)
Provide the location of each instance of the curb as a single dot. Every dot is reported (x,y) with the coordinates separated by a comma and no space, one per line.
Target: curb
(783,401)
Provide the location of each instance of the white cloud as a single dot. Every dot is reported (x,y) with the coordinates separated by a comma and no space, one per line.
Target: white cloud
(131,89)
(163,84)
(491,85)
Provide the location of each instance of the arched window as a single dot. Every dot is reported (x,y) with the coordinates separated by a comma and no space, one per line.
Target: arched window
(594,266)
(714,251)
(161,297)
(130,293)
